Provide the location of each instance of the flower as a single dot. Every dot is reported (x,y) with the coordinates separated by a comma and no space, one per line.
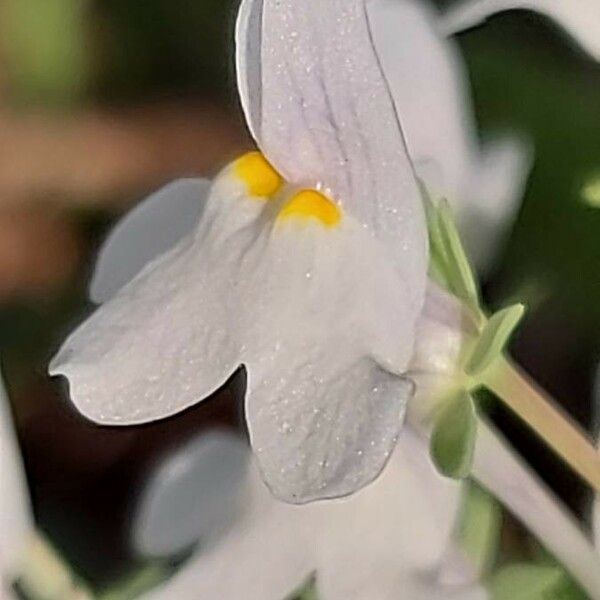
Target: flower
(194,493)
(387,541)
(580,18)
(307,266)
(16,522)
(429,83)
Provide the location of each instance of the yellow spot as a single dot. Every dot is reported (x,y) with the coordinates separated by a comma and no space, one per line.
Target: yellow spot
(258,174)
(310,204)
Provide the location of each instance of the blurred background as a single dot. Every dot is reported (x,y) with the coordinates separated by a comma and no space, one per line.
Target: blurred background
(103,101)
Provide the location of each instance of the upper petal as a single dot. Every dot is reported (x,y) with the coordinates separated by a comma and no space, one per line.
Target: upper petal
(150,229)
(326,118)
(16,524)
(579,18)
(248,35)
(164,342)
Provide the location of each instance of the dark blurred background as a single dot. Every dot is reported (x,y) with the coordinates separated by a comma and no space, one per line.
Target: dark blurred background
(102,101)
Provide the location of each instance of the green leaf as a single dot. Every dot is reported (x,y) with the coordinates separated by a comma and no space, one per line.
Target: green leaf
(479,528)
(526,582)
(453,437)
(494,338)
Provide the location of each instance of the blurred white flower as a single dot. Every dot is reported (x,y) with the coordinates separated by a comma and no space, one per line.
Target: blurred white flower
(386,542)
(194,494)
(313,279)
(16,522)
(431,91)
(579,18)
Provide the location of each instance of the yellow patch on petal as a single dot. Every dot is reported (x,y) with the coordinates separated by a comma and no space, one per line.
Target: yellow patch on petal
(310,204)
(258,174)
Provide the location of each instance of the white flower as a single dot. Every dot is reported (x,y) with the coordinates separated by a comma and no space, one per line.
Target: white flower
(194,494)
(314,282)
(386,542)
(310,272)
(429,83)
(580,18)
(16,523)
(391,540)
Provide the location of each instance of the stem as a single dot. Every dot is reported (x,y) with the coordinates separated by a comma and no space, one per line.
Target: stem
(47,576)
(548,420)
(504,474)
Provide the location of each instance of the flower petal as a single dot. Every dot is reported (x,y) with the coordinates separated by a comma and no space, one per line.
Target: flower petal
(326,119)
(150,229)
(193,495)
(322,429)
(427,76)
(265,555)
(248,64)
(163,343)
(579,18)
(493,196)
(428,82)
(378,540)
(325,345)
(16,523)
(382,541)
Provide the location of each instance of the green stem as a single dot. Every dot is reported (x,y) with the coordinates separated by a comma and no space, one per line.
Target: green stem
(47,576)
(499,469)
(549,421)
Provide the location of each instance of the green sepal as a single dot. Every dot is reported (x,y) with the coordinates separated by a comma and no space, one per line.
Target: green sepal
(493,338)
(523,581)
(307,592)
(479,528)
(453,438)
(449,264)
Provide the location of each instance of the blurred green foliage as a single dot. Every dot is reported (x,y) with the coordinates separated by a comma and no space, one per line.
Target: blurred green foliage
(47,48)
(526,75)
